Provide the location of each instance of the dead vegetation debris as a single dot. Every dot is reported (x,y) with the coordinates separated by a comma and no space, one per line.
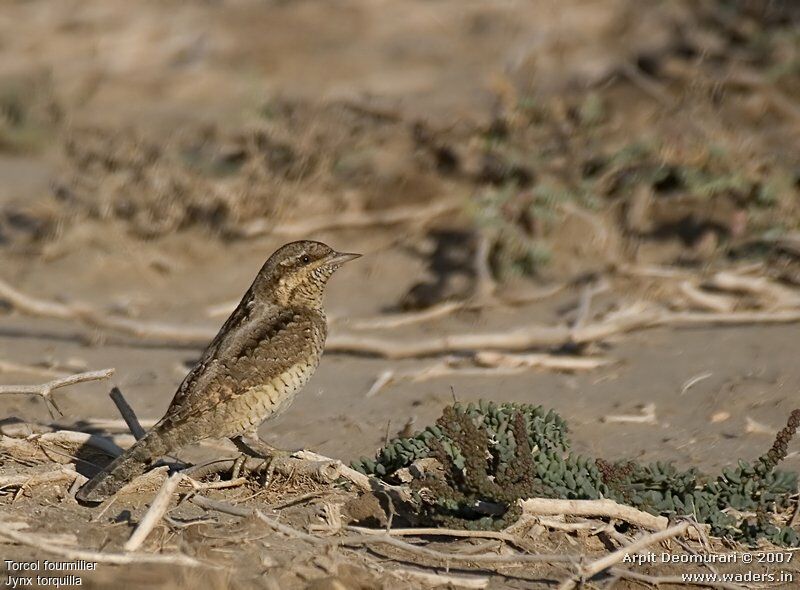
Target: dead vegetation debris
(296,529)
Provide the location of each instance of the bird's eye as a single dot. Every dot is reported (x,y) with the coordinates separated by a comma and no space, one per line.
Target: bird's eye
(306,259)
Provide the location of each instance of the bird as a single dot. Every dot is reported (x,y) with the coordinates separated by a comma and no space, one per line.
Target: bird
(263,355)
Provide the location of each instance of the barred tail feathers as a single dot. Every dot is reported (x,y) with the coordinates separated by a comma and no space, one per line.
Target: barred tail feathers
(124,468)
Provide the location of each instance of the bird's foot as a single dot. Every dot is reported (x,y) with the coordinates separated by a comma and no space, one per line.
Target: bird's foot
(253,446)
(238,465)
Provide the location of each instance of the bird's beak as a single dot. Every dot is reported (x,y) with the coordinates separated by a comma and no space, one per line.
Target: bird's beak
(339,258)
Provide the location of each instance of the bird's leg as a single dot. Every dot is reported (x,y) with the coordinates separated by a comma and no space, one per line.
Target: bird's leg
(238,464)
(251,445)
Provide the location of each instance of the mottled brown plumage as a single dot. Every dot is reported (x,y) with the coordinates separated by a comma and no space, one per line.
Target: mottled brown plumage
(262,356)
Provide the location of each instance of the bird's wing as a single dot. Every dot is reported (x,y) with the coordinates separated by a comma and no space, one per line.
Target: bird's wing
(254,343)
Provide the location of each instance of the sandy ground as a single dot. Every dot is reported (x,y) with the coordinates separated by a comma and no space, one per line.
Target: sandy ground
(752,375)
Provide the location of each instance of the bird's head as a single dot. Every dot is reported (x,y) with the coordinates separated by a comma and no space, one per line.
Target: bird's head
(296,273)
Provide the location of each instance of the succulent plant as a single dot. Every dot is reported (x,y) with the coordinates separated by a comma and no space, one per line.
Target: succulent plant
(495,454)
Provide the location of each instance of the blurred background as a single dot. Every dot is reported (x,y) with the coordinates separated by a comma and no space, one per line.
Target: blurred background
(502,164)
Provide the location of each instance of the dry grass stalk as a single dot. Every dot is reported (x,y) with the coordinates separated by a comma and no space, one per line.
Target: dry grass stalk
(157,509)
(439,532)
(45,390)
(691,382)
(603,508)
(84,314)
(705,300)
(437,580)
(383,538)
(781,297)
(357,478)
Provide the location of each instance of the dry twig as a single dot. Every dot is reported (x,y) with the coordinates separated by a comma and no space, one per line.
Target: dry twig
(438,532)
(45,390)
(437,580)
(154,514)
(704,300)
(525,338)
(605,508)
(691,382)
(127,413)
(482,558)
(84,314)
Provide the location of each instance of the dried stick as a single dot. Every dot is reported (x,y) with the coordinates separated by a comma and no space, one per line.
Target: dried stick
(215,485)
(350,219)
(127,413)
(114,558)
(361,481)
(84,314)
(395,320)
(287,530)
(224,507)
(532,337)
(45,390)
(437,580)
(592,569)
(692,381)
(558,362)
(436,371)
(571,527)
(526,338)
(482,558)
(605,508)
(705,300)
(585,302)
(658,581)
(154,514)
(761,286)
(436,532)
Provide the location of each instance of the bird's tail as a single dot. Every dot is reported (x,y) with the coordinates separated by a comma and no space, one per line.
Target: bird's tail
(124,468)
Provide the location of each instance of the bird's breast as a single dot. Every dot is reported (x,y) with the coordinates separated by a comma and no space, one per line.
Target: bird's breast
(268,399)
